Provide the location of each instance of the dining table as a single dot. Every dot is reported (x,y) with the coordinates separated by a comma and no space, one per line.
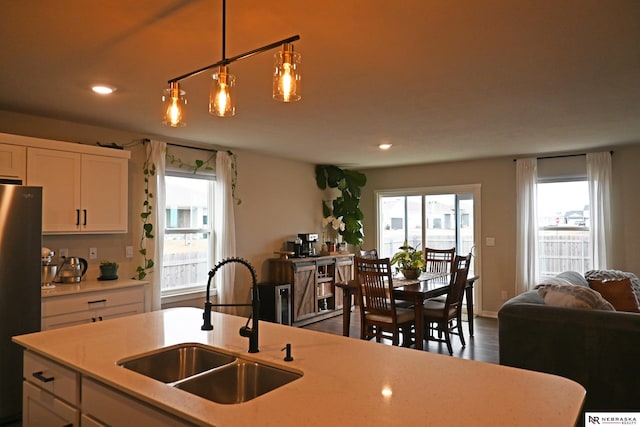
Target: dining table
(414,291)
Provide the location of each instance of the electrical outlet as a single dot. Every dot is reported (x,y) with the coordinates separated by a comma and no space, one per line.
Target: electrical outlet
(93,253)
(129,251)
(64,252)
(504,295)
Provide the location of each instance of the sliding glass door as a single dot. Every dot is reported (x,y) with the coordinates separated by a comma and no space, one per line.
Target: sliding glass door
(439,218)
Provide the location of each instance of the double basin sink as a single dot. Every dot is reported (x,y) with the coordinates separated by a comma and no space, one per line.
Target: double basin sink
(209,373)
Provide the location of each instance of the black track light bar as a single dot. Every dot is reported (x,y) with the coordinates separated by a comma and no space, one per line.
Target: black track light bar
(228,61)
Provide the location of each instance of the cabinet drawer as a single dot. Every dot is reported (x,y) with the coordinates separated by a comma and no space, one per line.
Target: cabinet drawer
(50,376)
(91,301)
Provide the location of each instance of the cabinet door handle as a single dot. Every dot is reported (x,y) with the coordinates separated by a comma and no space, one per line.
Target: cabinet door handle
(68,425)
(85,216)
(97,301)
(77,216)
(40,376)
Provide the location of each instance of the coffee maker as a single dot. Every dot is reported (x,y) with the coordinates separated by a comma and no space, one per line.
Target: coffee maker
(307,241)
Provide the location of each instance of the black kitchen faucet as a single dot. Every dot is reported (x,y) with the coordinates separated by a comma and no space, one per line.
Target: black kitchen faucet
(245,331)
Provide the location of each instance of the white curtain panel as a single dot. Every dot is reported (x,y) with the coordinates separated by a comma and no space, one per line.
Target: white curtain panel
(156,154)
(526,224)
(599,177)
(226,238)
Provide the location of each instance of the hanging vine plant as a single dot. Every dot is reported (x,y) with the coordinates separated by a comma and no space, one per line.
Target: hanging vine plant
(350,184)
(149,171)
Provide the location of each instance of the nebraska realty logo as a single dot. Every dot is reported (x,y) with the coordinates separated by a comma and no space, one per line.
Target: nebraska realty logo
(611,418)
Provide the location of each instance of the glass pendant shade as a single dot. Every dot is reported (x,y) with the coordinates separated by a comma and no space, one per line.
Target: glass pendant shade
(286,78)
(173,106)
(222,94)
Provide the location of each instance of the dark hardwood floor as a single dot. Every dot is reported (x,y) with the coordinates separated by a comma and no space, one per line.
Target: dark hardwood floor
(483,346)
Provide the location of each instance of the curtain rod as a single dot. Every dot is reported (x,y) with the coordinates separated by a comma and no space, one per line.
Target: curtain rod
(562,155)
(211,150)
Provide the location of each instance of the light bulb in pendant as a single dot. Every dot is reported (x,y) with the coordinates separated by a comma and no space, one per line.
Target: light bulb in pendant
(221,96)
(173,103)
(286,78)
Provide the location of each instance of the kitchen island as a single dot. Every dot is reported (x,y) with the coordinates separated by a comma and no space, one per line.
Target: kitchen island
(345,381)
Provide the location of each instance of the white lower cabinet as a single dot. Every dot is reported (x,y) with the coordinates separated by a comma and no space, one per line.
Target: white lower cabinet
(54,395)
(88,307)
(40,408)
(106,405)
(51,393)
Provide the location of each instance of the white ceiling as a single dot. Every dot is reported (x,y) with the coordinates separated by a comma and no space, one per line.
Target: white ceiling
(440,79)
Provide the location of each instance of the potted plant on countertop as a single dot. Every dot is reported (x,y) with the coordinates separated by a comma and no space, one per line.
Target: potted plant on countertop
(409,261)
(108,270)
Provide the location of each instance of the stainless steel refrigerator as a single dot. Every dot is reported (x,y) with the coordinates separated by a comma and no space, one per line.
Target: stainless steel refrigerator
(20,267)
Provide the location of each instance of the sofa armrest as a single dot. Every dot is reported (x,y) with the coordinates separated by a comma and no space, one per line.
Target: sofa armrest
(598,349)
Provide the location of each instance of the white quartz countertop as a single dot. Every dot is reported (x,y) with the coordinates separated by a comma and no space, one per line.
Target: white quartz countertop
(89,286)
(346,381)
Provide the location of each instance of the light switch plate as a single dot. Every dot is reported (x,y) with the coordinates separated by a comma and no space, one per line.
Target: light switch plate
(129,251)
(93,253)
(490,241)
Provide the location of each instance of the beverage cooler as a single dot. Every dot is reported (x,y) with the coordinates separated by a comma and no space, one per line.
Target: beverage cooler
(275,302)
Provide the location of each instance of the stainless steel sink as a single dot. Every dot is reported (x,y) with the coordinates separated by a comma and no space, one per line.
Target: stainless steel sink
(238,382)
(172,364)
(213,375)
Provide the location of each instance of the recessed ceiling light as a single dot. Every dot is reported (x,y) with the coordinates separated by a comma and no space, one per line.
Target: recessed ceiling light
(385,146)
(103,90)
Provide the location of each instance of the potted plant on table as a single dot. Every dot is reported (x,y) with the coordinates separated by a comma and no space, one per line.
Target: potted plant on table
(409,261)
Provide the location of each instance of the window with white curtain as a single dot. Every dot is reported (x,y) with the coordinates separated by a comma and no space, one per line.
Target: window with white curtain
(188,233)
(563,227)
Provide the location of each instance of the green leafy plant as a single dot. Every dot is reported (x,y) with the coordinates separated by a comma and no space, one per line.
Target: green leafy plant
(149,171)
(408,258)
(345,206)
(108,264)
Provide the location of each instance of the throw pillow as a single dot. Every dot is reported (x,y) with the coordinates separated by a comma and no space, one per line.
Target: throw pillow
(615,274)
(574,278)
(618,292)
(572,296)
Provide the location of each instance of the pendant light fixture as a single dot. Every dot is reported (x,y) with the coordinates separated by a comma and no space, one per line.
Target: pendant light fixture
(173,103)
(286,80)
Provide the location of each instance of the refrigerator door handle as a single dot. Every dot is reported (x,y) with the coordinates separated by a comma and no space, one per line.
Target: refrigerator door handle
(40,376)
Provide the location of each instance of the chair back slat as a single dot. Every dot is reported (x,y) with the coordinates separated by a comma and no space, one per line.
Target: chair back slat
(374,276)
(439,260)
(458,282)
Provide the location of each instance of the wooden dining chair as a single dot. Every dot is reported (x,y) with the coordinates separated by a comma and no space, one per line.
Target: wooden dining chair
(446,317)
(439,260)
(363,254)
(380,316)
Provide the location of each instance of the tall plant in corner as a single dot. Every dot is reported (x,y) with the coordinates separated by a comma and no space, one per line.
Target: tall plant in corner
(346,205)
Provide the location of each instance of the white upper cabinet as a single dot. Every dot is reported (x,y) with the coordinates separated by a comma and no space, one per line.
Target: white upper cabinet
(84,188)
(81,192)
(13,162)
